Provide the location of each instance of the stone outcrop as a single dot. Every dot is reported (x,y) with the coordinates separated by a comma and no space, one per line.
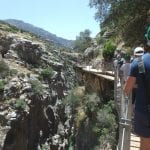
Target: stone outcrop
(5,42)
(28,51)
(91,53)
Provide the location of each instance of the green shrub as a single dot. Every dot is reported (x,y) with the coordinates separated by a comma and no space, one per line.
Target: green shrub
(2,85)
(44,147)
(28,75)
(91,102)
(4,69)
(37,88)
(103,30)
(47,73)
(83,41)
(72,99)
(108,51)
(22,75)
(20,104)
(106,125)
(100,40)
(13,71)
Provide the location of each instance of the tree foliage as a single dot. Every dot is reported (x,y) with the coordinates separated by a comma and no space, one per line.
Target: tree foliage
(128,17)
(118,8)
(103,8)
(83,41)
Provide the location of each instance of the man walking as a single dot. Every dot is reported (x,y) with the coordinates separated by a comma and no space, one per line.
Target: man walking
(140,74)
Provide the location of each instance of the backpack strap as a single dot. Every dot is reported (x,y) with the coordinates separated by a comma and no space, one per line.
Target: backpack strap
(146,81)
(147,34)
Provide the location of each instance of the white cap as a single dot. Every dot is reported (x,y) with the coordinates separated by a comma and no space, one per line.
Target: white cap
(138,51)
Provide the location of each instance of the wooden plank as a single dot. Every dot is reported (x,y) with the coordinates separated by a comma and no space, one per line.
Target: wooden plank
(92,70)
(98,73)
(111,78)
(134,142)
(134,148)
(136,139)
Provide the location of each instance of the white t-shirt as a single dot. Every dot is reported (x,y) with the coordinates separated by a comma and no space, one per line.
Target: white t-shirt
(115,63)
(125,68)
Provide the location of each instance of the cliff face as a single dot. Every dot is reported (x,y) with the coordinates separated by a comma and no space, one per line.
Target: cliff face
(34,78)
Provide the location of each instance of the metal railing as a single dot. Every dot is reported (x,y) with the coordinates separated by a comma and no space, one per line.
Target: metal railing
(123,106)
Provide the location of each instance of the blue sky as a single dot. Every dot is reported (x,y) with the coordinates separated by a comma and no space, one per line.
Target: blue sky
(65,18)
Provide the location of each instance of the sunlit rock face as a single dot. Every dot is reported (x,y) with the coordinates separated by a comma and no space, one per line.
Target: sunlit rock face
(28,51)
(32,113)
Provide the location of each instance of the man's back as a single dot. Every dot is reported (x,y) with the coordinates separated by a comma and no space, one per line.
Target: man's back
(141,80)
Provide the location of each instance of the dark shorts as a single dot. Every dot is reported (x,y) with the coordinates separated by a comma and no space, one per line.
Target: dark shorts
(142,124)
(133,95)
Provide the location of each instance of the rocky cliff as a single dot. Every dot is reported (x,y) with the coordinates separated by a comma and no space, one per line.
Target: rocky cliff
(34,78)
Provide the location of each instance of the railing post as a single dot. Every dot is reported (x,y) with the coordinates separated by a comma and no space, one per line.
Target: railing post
(125,124)
(115,90)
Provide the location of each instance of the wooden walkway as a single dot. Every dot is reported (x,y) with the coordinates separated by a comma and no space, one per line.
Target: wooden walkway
(109,75)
